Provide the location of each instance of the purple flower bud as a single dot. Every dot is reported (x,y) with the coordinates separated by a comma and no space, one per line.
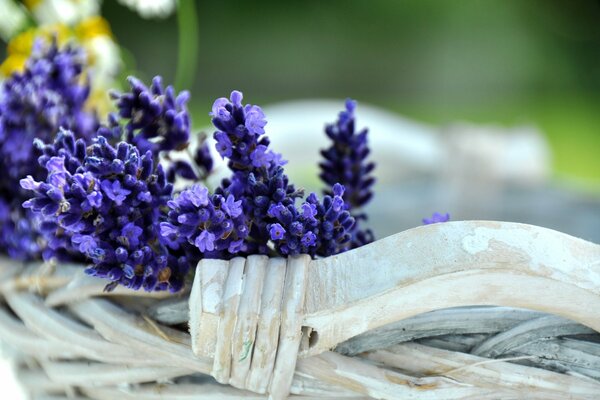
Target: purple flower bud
(309,239)
(197,195)
(29,184)
(276,231)
(114,191)
(224,146)
(85,243)
(130,235)
(309,211)
(236,98)
(260,157)
(219,110)
(231,207)
(205,241)
(255,120)
(436,218)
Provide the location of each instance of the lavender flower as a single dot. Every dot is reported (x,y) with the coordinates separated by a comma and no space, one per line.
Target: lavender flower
(436,218)
(49,94)
(346,162)
(321,228)
(215,225)
(257,199)
(107,201)
(157,120)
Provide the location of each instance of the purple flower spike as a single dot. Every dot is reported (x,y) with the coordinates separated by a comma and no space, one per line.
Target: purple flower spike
(214,225)
(345,162)
(109,211)
(50,93)
(157,118)
(436,218)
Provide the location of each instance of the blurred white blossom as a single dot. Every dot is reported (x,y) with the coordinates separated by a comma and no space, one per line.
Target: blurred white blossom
(151,8)
(68,12)
(12,19)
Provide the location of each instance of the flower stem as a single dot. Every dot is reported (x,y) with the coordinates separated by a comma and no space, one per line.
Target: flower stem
(187,56)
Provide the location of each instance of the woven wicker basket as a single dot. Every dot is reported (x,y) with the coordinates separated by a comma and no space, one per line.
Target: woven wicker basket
(447,311)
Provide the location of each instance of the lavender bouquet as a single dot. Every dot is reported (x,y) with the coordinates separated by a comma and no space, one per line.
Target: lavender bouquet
(100,190)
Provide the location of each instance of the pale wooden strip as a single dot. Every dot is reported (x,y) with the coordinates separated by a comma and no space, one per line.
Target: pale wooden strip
(267,334)
(171,311)
(205,304)
(564,355)
(306,385)
(453,321)
(244,333)
(232,293)
(95,374)
(49,323)
(14,333)
(452,264)
(9,268)
(545,327)
(472,285)
(205,391)
(36,382)
(365,378)
(171,347)
(462,343)
(38,276)
(482,372)
(82,286)
(290,334)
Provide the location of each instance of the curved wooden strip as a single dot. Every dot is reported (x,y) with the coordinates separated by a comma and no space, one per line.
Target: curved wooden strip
(48,323)
(453,321)
(452,264)
(14,333)
(530,331)
(170,347)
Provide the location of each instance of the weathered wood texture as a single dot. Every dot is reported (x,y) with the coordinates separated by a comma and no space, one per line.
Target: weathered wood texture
(268,325)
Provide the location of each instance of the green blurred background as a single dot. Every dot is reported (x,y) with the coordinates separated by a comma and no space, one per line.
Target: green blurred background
(504,61)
